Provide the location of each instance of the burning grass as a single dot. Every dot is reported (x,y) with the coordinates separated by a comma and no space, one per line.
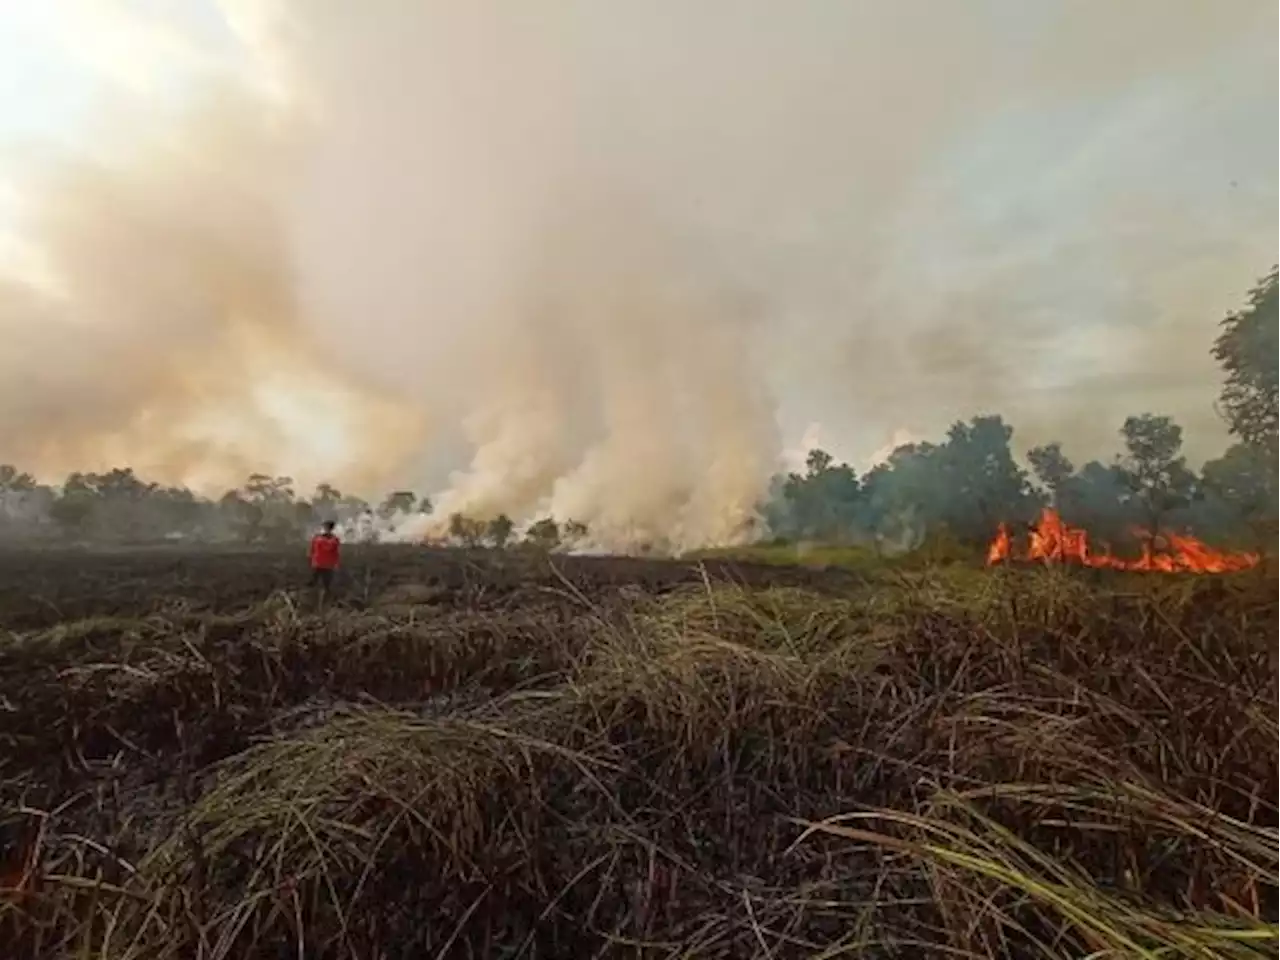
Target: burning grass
(1020,763)
(1050,540)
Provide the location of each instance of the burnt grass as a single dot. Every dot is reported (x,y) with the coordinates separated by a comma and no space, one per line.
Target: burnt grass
(501,754)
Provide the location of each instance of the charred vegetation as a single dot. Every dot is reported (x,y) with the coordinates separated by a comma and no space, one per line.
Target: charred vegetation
(482,754)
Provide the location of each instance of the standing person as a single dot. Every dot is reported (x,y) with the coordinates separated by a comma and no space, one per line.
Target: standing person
(325,547)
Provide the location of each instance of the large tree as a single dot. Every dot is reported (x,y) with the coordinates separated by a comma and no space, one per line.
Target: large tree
(23,501)
(903,497)
(1100,499)
(981,483)
(398,501)
(1052,469)
(1093,497)
(116,504)
(499,530)
(266,508)
(543,534)
(1243,481)
(466,531)
(820,504)
(1096,497)
(1245,477)
(1154,468)
(1247,349)
(13,480)
(73,512)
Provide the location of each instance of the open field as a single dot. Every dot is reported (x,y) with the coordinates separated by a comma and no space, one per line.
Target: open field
(500,755)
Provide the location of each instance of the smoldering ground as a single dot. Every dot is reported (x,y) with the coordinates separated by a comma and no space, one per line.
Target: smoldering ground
(602,260)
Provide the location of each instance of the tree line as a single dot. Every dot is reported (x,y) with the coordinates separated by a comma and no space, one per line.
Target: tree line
(120,506)
(959,488)
(962,487)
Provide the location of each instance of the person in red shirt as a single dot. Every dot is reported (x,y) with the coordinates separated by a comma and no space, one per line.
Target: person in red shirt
(325,547)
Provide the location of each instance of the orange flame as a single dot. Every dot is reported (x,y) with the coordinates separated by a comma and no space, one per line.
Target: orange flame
(1050,540)
(1001,547)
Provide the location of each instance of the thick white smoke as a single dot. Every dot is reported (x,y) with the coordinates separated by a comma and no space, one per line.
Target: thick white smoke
(597,258)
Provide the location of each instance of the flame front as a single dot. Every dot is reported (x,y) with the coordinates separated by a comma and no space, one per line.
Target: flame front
(1051,540)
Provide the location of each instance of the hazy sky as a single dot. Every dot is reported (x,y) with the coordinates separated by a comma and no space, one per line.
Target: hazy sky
(920,211)
(60,61)
(59,57)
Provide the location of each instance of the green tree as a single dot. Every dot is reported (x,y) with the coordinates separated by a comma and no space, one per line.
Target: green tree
(325,500)
(262,489)
(399,501)
(499,530)
(544,534)
(983,483)
(820,504)
(1052,468)
(466,531)
(1099,499)
(902,498)
(13,480)
(817,462)
(1153,467)
(122,504)
(831,497)
(1096,497)
(24,503)
(1244,477)
(266,509)
(242,517)
(176,510)
(73,511)
(1247,350)
(302,514)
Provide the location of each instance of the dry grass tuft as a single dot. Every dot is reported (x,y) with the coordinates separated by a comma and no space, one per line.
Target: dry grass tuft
(586,763)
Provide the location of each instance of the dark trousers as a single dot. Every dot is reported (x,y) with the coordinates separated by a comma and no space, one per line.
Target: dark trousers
(322,577)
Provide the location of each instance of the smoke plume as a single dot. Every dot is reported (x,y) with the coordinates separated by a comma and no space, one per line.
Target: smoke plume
(602,259)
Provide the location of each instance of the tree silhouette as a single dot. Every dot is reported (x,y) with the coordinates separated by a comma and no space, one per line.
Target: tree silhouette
(1247,350)
(544,534)
(1153,467)
(499,530)
(1244,478)
(1052,468)
(400,501)
(984,483)
(466,531)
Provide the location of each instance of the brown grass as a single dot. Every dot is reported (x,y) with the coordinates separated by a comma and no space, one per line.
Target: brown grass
(554,763)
